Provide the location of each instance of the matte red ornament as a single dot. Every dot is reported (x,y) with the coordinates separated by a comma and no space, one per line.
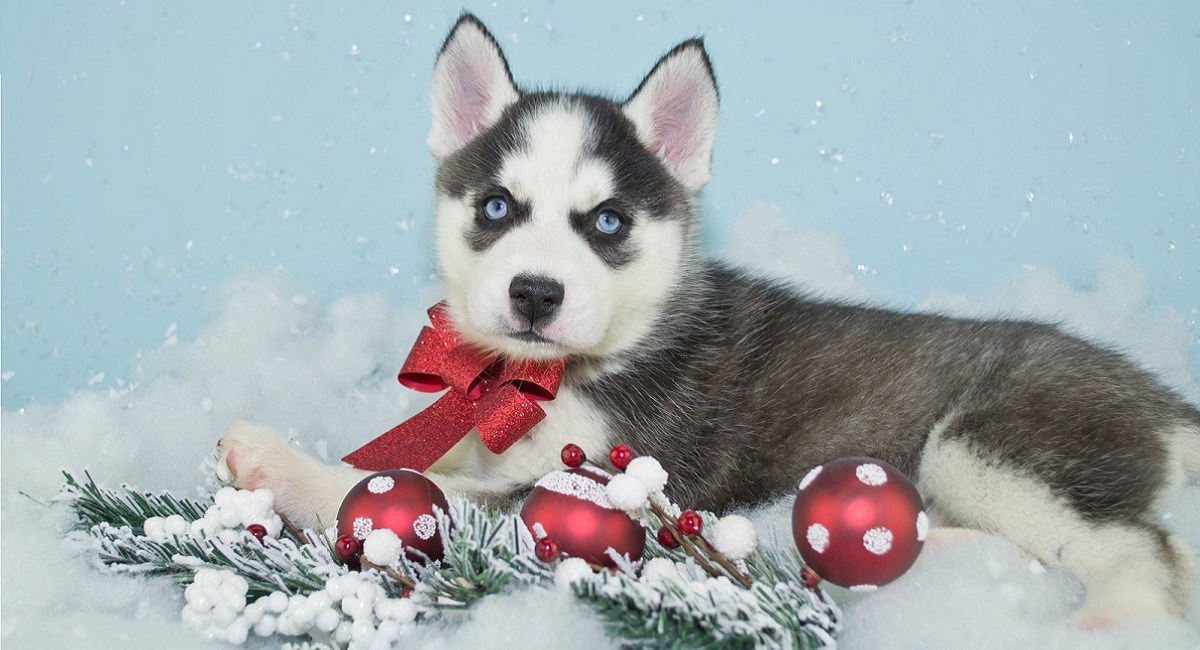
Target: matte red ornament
(572,507)
(258,530)
(572,455)
(547,549)
(666,538)
(858,522)
(400,500)
(689,523)
(620,456)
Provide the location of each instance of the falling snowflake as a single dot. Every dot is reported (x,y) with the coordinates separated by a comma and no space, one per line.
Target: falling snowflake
(380,484)
(810,477)
(878,540)
(363,527)
(818,537)
(871,474)
(425,526)
(922,526)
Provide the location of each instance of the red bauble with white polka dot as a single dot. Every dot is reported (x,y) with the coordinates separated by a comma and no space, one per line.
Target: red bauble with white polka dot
(858,522)
(571,508)
(400,500)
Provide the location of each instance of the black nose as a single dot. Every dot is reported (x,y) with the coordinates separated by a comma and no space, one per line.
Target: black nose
(535,297)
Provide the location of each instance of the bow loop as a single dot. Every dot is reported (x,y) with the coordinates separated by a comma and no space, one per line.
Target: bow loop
(497,397)
(421,370)
(536,379)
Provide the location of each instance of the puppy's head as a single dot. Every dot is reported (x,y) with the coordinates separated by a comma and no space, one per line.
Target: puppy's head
(564,221)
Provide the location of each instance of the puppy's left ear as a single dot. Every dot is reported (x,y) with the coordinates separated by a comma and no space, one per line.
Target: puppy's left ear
(675,112)
(471,86)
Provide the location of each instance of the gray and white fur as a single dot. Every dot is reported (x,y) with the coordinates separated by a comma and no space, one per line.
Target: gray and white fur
(739,384)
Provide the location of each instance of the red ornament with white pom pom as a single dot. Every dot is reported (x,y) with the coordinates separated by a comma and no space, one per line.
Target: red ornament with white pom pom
(572,508)
(400,500)
(858,522)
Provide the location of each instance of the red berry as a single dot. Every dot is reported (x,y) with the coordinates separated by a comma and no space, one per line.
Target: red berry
(572,455)
(347,547)
(406,592)
(258,530)
(667,538)
(689,523)
(810,577)
(620,456)
(547,549)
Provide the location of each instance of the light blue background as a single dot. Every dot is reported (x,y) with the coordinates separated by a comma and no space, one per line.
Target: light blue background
(152,150)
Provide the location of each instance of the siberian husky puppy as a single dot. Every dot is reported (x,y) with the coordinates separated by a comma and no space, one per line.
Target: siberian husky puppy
(567,228)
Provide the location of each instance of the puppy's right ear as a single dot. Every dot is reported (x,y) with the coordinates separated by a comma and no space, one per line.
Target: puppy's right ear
(471,86)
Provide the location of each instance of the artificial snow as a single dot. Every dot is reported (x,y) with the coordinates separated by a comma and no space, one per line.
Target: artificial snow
(323,373)
(659,567)
(569,571)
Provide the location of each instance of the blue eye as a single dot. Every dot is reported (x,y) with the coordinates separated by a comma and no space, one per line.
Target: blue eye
(608,222)
(495,208)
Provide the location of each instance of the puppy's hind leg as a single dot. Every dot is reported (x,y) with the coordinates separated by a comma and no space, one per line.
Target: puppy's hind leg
(1130,570)
(306,491)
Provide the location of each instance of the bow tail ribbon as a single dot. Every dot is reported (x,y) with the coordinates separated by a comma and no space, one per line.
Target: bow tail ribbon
(504,415)
(418,442)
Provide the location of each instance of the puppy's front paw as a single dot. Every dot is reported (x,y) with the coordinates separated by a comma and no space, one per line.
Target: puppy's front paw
(252,457)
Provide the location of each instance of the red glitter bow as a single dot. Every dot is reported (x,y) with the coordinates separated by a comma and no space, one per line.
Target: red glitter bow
(496,396)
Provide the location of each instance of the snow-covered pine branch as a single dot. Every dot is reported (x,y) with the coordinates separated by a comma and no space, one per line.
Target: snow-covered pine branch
(295,587)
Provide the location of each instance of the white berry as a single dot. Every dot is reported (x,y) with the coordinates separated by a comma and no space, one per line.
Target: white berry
(627,493)
(649,471)
(735,536)
(382,547)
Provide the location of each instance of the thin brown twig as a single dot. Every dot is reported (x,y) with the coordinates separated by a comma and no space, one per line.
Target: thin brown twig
(725,563)
(672,525)
(291,528)
(394,575)
(669,522)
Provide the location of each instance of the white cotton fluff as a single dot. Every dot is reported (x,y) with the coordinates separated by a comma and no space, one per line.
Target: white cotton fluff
(649,471)
(734,536)
(659,567)
(382,547)
(627,493)
(570,571)
(214,604)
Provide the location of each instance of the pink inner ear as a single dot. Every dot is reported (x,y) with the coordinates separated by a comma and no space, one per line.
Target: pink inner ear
(674,119)
(469,99)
